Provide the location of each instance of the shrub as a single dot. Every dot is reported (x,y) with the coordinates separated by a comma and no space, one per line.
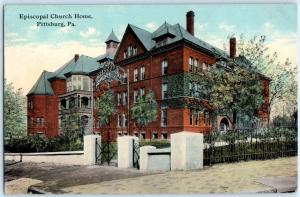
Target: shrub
(157,144)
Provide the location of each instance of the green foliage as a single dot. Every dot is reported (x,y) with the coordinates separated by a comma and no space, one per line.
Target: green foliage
(14,112)
(283,85)
(144,111)
(37,143)
(105,107)
(234,91)
(71,127)
(157,144)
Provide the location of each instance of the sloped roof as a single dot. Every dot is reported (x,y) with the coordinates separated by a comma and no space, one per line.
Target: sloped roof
(144,36)
(164,29)
(107,56)
(42,85)
(112,37)
(179,34)
(83,65)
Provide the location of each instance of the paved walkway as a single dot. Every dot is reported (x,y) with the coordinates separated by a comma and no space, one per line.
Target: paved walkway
(240,177)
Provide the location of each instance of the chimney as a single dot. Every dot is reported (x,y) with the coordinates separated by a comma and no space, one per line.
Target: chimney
(190,22)
(232,47)
(76,57)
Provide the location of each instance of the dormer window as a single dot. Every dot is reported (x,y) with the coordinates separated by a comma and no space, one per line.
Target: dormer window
(129,51)
(162,42)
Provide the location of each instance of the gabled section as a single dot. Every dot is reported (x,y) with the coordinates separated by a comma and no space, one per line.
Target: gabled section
(135,41)
(42,86)
(165,30)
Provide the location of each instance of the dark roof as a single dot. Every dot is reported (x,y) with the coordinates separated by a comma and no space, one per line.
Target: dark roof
(176,33)
(83,65)
(112,37)
(42,85)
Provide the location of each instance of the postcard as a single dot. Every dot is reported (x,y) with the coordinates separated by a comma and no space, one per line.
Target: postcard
(150,99)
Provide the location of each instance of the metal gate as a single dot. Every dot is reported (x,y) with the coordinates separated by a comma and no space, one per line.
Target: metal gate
(106,150)
(136,154)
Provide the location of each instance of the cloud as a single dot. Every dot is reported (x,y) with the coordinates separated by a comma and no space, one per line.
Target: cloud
(66,29)
(286,47)
(11,34)
(201,27)
(225,27)
(151,26)
(34,28)
(91,31)
(25,62)
(268,26)
(18,40)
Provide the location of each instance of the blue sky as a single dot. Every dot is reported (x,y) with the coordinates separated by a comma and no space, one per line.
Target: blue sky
(34,47)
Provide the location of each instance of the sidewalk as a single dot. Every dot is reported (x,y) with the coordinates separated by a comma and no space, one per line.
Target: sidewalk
(242,177)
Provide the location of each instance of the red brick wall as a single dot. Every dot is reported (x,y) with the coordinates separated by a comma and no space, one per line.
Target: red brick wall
(59,86)
(43,107)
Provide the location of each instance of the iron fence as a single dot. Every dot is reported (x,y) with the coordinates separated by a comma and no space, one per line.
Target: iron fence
(250,144)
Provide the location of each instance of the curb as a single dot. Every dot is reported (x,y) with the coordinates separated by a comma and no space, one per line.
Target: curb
(34,190)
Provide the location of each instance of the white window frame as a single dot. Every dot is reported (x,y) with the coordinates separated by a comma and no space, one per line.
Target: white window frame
(135,74)
(142,74)
(164,64)
(164,89)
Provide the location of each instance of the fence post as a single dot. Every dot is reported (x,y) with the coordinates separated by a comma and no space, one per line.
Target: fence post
(186,151)
(89,148)
(125,151)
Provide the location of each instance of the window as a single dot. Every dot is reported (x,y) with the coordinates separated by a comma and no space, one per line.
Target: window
(164,135)
(129,51)
(196,65)
(154,135)
(164,67)
(142,91)
(143,135)
(191,64)
(119,121)
(162,42)
(136,74)
(204,118)
(124,98)
(196,116)
(124,120)
(125,78)
(204,66)
(86,83)
(134,51)
(142,73)
(125,54)
(164,91)
(37,121)
(191,88)
(164,117)
(191,117)
(42,121)
(119,99)
(135,96)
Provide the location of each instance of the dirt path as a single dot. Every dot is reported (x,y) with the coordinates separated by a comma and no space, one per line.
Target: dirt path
(55,177)
(224,178)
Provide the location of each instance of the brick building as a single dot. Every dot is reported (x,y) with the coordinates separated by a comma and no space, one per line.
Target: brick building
(159,61)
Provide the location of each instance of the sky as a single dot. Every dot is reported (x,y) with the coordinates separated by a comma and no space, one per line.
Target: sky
(29,49)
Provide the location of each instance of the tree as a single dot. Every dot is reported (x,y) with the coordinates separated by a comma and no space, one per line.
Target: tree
(234,91)
(71,128)
(14,112)
(144,111)
(105,107)
(283,85)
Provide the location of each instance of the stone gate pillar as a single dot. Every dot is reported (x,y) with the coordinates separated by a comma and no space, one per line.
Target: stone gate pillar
(125,151)
(186,151)
(89,148)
